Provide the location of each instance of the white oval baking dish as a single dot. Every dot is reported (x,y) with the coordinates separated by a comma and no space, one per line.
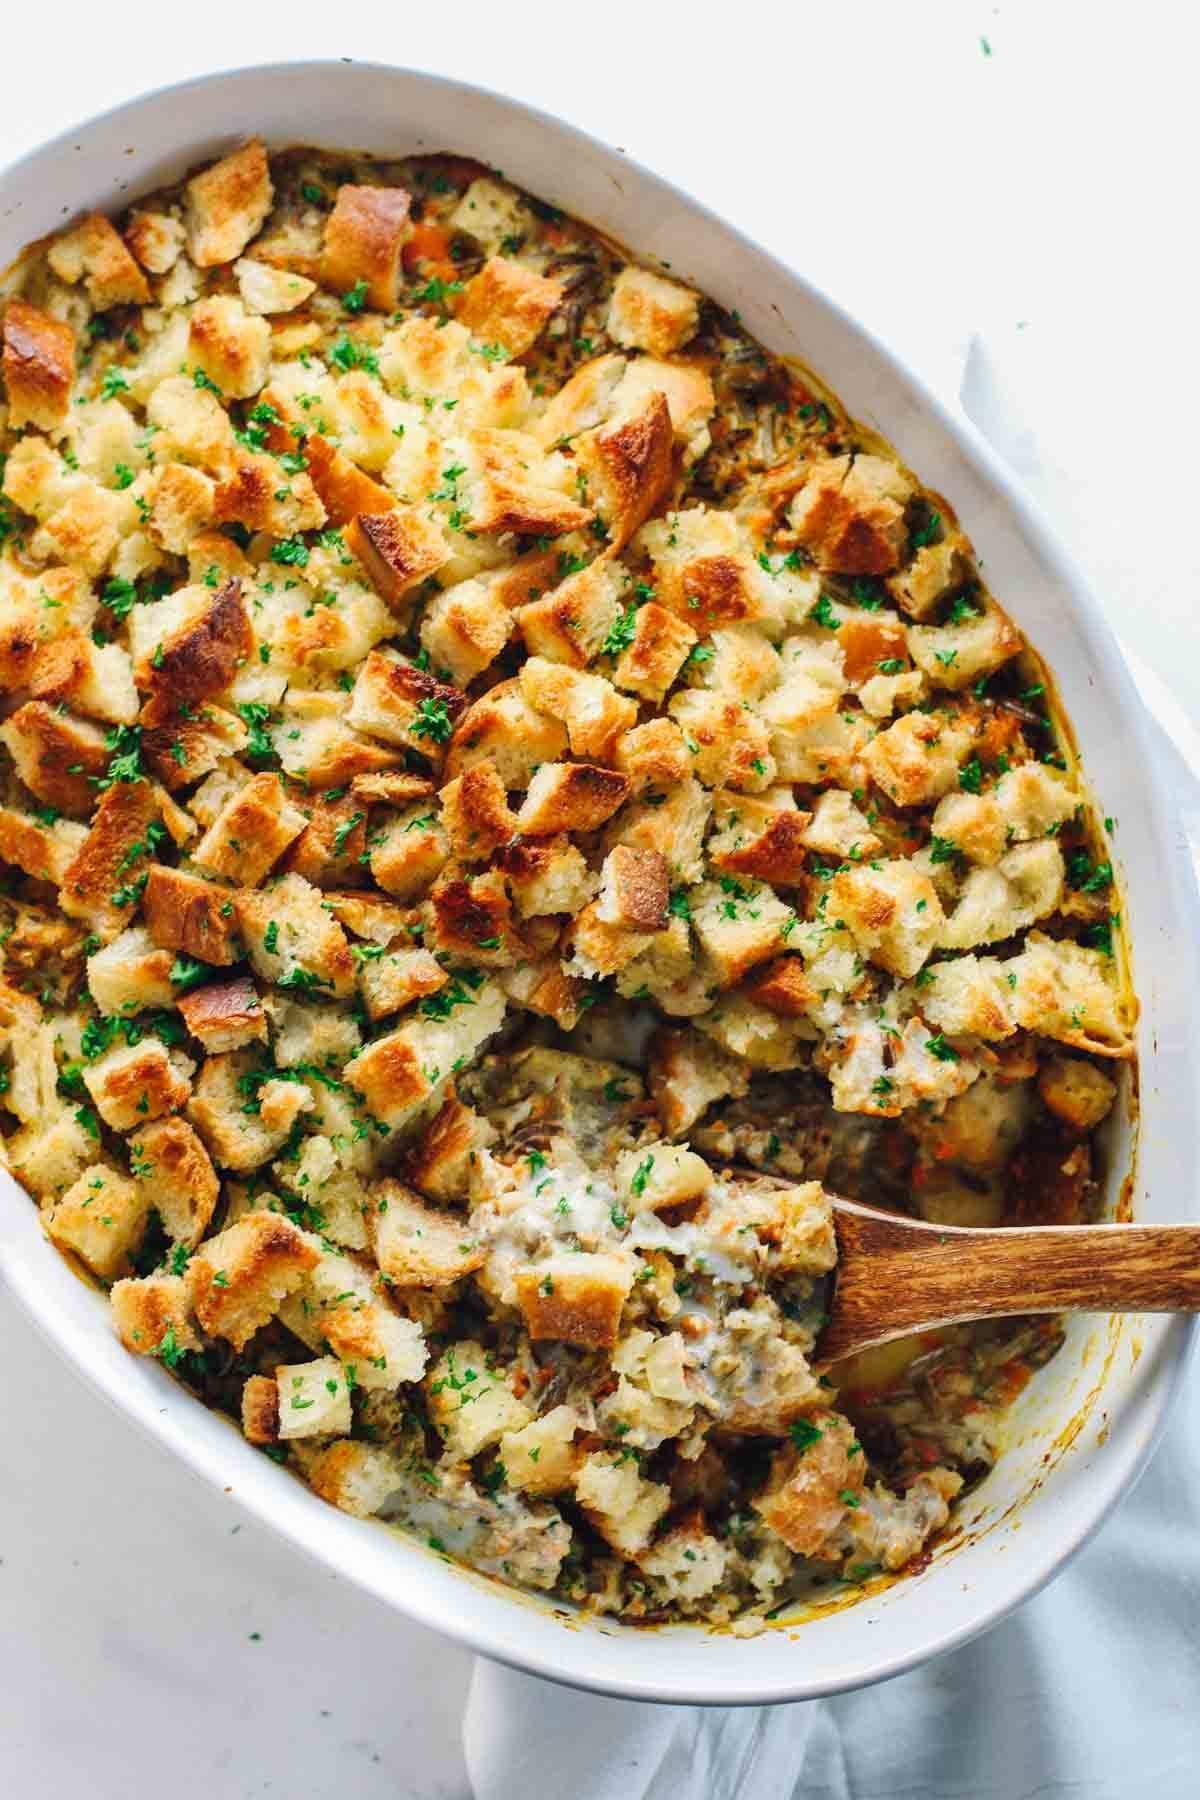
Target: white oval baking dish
(1085,1428)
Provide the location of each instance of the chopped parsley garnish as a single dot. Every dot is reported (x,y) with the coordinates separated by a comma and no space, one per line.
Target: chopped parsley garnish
(621,632)
(186,972)
(432,721)
(822,614)
(804,1433)
(355,298)
(938,1047)
(970,776)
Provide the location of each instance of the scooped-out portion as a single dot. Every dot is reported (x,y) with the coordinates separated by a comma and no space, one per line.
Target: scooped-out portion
(483,747)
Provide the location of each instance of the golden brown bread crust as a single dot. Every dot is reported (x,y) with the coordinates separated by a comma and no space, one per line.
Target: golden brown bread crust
(94,252)
(637,888)
(226,204)
(38,360)
(182,912)
(783,988)
(575,1300)
(364,237)
(177,1176)
(201,662)
(237,1279)
(508,304)
(397,548)
(260,1410)
(224,1015)
(630,466)
(111,852)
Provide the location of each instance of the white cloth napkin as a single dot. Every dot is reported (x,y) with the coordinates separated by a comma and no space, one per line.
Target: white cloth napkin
(1091,1691)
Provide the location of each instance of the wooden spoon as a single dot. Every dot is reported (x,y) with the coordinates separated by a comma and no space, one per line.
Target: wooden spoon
(897,1275)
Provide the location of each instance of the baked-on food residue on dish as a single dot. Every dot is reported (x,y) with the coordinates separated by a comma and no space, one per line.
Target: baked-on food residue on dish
(483,743)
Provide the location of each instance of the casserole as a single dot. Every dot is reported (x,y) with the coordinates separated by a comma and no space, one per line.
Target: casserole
(1125,1375)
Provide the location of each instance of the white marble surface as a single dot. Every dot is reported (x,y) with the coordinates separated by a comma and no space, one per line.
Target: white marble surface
(151,1638)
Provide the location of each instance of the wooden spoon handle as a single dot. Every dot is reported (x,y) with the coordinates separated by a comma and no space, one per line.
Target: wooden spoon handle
(896,1276)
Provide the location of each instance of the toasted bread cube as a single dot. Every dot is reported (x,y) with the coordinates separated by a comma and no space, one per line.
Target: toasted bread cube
(439,1164)
(398,549)
(570,797)
(660,646)
(156,240)
(416,1245)
(356,1478)
(839,829)
(364,237)
(470,1401)
(1077,1092)
(378,1347)
(101,1218)
(234,1138)
(370,916)
(131,973)
(657,1177)
(38,361)
(225,1015)
(916,760)
(543,987)
(268,290)
(805,1500)
(59,758)
(238,1279)
(956,655)
(331,846)
(310,1033)
(47,1157)
(968,996)
(509,485)
(758,1036)
(404,705)
(291,940)
(226,205)
(396,1073)
(94,679)
(892,911)
(392,980)
(763,835)
(851,514)
(783,987)
(251,832)
(629,465)
(176,1176)
(738,925)
(934,572)
(575,1299)
(93,252)
(545,875)
(570,624)
(647,312)
(152,1316)
(687,1074)
(254,493)
(1026,885)
(508,305)
(473,919)
(135,1082)
(634,889)
(232,347)
(92,887)
(1064,990)
(408,853)
(653,754)
(594,713)
(800,1228)
(503,727)
(182,912)
(465,629)
(540,1458)
(181,507)
(476,814)
(622,1506)
(260,1410)
(673,823)
(314,1399)
(597,948)
(729,746)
